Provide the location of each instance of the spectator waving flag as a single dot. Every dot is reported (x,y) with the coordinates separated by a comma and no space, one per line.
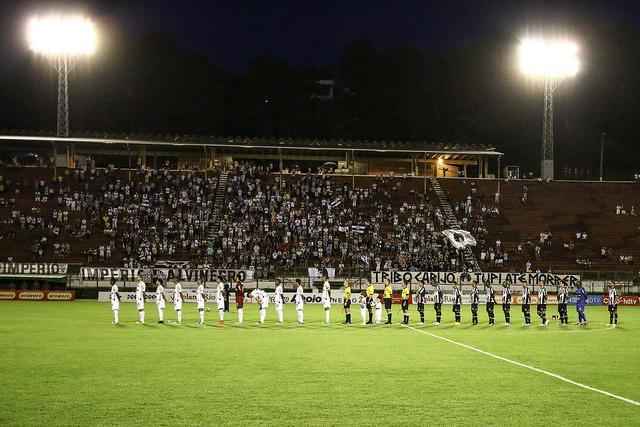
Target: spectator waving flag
(360,229)
(335,203)
(460,238)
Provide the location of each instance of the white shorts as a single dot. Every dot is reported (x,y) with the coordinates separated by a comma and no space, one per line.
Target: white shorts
(161,305)
(299,307)
(200,305)
(326,305)
(115,306)
(220,304)
(177,306)
(279,306)
(140,305)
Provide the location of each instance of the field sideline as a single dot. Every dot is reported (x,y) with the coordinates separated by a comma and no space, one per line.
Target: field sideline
(65,364)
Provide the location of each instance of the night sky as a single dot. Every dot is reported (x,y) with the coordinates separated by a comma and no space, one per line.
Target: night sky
(210,48)
(232,33)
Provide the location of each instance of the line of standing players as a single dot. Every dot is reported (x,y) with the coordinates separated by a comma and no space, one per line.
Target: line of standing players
(506,299)
(369,301)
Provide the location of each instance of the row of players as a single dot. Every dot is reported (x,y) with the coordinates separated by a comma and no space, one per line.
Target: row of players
(369,303)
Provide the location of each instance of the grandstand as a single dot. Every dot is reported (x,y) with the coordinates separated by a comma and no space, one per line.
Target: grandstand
(231,210)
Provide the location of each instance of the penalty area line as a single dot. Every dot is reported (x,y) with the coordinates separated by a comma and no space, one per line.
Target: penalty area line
(523,365)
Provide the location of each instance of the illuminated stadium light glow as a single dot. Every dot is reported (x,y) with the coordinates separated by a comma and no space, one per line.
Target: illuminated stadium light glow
(68,35)
(548,59)
(62,38)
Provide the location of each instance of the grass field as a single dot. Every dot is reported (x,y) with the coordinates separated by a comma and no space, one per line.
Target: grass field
(65,364)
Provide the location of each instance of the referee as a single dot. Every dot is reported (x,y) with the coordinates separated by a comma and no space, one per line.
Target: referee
(369,301)
(347,302)
(387,294)
(405,302)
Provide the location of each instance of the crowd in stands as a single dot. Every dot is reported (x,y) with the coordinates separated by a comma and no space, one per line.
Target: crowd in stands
(283,221)
(100,212)
(268,222)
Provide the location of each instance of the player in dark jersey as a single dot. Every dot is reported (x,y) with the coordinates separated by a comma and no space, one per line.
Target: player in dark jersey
(437,303)
(613,305)
(526,305)
(475,301)
(491,302)
(541,308)
(421,299)
(506,304)
(457,301)
(563,299)
(239,291)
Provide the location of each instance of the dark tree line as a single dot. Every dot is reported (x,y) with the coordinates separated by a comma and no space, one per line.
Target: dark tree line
(471,93)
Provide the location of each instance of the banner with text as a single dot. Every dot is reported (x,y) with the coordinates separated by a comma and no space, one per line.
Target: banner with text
(181,274)
(498,279)
(33,270)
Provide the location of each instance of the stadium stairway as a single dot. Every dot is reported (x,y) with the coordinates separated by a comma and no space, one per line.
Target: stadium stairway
(452,221)
(219,204)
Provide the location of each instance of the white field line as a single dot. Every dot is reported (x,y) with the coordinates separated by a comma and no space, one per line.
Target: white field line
(522,365)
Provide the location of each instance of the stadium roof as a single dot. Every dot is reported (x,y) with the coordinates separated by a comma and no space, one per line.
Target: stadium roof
(271,143)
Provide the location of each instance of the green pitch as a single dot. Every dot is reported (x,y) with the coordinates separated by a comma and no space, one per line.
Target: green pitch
(65,364)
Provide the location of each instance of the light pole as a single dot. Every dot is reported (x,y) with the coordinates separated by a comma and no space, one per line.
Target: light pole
(62,39)
(603,137)
(550,61)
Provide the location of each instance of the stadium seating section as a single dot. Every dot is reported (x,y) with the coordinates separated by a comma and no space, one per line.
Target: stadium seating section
(384,222)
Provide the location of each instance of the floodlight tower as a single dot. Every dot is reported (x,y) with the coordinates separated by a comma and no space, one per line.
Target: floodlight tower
(62,39)
(551,61)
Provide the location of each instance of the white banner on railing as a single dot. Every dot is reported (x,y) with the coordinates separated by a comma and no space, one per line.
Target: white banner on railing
(498,279)
(182,274)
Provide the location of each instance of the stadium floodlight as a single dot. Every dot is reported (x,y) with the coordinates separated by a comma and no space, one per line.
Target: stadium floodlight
(551,61)
(62,38)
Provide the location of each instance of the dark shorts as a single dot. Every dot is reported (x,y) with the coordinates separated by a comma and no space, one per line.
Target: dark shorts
(387,303)
(405,304)
(420,306)
(239,305)
(347,303)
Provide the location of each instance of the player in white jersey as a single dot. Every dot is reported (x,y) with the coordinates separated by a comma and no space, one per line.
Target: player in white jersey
(200,303)
(378,305)
(279,301)
(326,301)
(362,301)
(300,302)
(115,302)
(140,290)
(178,299)
(262,298)
(160,301)
(220,302)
